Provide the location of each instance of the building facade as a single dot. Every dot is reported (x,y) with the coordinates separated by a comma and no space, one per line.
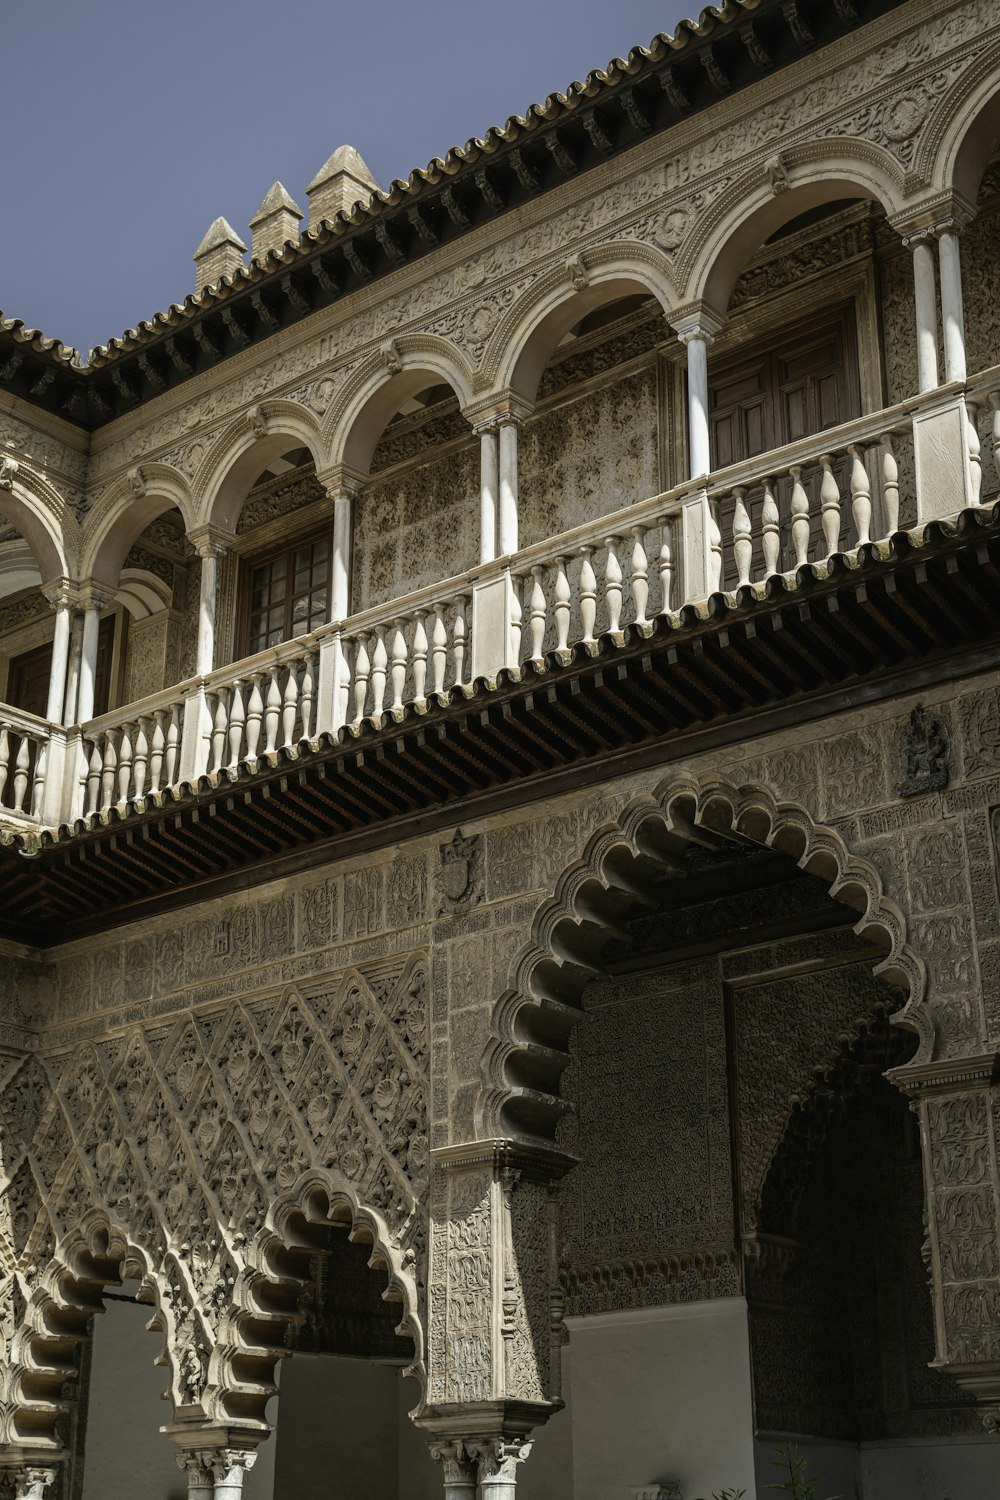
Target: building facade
(500,809)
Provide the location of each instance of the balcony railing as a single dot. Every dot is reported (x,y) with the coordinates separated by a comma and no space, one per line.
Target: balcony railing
(736,530)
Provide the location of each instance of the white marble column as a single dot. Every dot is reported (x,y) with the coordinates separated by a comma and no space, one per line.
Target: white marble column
(73,669)
(458,1470)
(340,566)
(925,303)
(93,598)
(498,1459)
(229,1467)
(59,598)
(507,521)
(200,1484)
(697,329)
(489,486)
(210,545)
(952,312)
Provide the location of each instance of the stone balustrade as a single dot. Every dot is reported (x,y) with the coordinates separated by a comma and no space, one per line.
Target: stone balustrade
(737,529)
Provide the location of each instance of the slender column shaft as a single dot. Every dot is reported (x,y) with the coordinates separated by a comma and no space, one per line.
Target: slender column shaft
(205,659)
(508,488)
(73,669)
(952,313)
(88,663)
(340,580)
(60,660)
(489,481)
(926,309)
(697,369)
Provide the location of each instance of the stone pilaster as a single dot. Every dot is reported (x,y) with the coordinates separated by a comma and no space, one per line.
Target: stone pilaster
(958,1105)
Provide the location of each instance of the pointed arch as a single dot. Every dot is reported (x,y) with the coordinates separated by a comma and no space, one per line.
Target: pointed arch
(742,218)
(405,367)
(243,449)
(534,1017)
(531,329)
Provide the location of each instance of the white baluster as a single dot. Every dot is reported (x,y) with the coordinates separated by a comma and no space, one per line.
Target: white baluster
(562,604)
(536,613)
(588,594)
(255,715)
(613,592)
(289,705)
(714,548)
(665,566)
(362,672)
(516,615)
(4,759)
(38,782)
(21,772)
(94,770)
(157,746)
(742,537)
(770,530)
(861,496)
(458,638)
(140,760)
(397,669)
(307,695)
(220,724)
(975,452)
(109,770)
(640,574)
(237,721)
(125,753)
(380,659)
(439,650)
(890,485)
(829,502)
(995,400)
(272,713)
(172,748)
(800,517)
(419,656)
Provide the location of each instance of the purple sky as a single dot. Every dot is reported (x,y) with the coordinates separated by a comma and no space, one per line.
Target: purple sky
(128,125)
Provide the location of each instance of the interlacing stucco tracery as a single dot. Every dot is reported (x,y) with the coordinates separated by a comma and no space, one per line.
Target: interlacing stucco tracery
(190,1148)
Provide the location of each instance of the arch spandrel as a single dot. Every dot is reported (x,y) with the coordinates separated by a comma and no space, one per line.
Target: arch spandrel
(532,328)
(376,389)
(243,449)
(532,1020)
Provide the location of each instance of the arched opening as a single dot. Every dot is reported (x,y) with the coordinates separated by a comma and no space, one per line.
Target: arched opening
(810,341)
(28,558)
(981,298)
(416,518)
(841,1332)
(345,1394)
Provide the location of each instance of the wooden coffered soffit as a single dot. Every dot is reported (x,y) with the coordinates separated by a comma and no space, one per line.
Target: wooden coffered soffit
(897,618)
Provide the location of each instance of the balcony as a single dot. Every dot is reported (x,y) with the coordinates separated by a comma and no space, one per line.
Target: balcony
(739,532)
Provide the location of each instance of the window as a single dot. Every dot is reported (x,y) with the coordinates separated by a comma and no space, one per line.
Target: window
(288,594)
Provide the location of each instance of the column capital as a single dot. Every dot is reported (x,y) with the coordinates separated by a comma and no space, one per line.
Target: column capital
(92,594)
(953,1075)
(532,1163)
(457,1463)
(498,1457)
(489,413)
(62,593)
(341,479)
(697,320)
(211,541)
(945,213)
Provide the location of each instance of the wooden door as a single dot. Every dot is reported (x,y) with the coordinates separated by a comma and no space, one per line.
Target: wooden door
(801,383)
